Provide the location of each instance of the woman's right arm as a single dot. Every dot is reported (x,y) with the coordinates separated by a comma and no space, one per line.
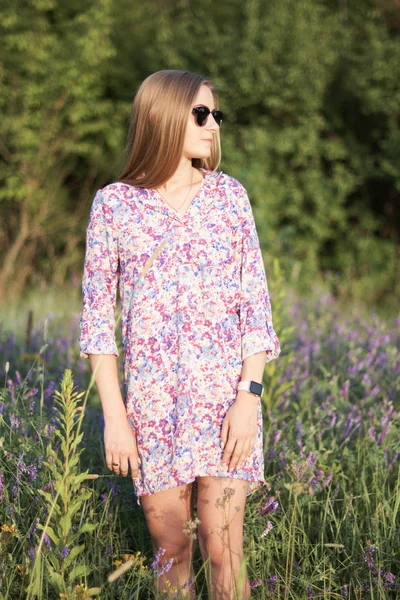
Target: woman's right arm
(105,369)
(119,439)
(97,333)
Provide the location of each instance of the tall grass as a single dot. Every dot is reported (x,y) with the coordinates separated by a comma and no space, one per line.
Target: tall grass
(326,525)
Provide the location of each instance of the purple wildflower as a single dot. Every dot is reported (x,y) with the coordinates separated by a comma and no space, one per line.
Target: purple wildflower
(368,558)
(33,528)
(311,460)
(15,422)
(344,392)
(12,388)
(345,592)
(315,480)
(267,529)
(327,480)
(32,555)
(271,581)
(396,454)
(270,505)
(157,568)
(47,541)
(389,577)
(255,583)
(1,485)
(277,435)
(115,489)
(65,551)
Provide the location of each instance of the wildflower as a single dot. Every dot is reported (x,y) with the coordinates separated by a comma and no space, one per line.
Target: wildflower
(277,435)
(65,551)
(255,583)
(228,493)
(345,592)
(190,527)
(47,542)
(328,480)
(189,583)
(9,529)
(1,485)
(270,505)
(389,577)
(15,422)
(121,570)
(156,563)
(32,555)
(396,454)
(271,582)
(267,529)
(33,528)
(368,558)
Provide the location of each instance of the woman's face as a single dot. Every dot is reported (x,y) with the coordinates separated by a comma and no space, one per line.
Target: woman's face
(198,140)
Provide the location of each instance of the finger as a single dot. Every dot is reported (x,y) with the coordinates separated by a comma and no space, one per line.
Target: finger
(229,448)
(224,432)
(109,460)
(134,464)
(137,452)
(236,455)
(115,463)
(245,453)
(124,466)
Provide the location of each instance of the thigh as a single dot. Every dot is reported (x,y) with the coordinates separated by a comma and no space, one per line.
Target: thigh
(221,503)
(166,513)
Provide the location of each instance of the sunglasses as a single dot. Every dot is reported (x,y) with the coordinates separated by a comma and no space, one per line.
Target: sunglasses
(201,113)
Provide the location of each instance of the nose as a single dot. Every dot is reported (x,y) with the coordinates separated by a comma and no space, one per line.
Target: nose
(211,124)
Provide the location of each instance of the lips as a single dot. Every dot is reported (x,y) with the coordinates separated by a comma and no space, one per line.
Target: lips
(206,140)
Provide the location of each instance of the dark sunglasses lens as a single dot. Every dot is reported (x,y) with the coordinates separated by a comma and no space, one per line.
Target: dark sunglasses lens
(202,113)
(218,115)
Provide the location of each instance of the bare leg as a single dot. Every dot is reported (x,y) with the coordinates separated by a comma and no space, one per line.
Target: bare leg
(220,507)
(166,513)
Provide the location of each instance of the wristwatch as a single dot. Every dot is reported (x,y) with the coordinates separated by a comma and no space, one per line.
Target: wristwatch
(251,386)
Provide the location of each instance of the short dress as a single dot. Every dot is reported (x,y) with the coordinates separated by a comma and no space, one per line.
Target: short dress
(194,304)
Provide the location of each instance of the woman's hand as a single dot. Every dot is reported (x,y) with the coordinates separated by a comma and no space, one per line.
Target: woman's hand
(239,429)
(120,446)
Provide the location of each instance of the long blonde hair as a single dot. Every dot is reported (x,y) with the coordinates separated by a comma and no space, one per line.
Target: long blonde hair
(157,128)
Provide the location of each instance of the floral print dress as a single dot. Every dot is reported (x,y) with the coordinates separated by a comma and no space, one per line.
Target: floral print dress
(194,303)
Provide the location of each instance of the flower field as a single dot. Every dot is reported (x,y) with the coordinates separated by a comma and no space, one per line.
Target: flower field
(326,525)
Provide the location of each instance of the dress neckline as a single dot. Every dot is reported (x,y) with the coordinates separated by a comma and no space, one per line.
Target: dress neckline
(194,199)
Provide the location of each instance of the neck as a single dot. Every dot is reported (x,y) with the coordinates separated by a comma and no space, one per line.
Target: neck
(184,175)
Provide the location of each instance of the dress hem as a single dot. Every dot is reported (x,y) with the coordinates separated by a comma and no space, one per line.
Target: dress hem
(257,485)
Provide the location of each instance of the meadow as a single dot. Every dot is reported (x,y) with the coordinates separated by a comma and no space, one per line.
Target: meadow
(326,525)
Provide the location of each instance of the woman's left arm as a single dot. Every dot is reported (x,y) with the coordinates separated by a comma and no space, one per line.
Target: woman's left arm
(259,341)
(239,429)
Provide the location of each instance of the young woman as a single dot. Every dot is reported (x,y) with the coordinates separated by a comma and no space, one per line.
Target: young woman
(179,240)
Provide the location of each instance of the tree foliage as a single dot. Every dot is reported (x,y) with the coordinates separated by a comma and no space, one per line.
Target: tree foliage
(312,94)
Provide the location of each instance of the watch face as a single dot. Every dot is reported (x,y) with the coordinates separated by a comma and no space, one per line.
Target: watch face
(256,388)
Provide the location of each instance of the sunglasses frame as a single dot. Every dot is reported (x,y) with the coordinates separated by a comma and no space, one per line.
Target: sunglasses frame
(217,114)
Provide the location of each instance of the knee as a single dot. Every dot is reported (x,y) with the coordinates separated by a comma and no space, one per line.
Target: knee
(216,548)
(179,551)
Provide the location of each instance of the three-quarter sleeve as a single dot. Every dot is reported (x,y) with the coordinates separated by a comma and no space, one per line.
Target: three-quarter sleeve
(257,332)
(99,282)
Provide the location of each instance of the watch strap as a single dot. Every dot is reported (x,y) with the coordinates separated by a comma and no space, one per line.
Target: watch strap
(251,386)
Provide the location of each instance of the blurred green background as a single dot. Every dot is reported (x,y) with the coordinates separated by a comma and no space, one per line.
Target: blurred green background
(311,90)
